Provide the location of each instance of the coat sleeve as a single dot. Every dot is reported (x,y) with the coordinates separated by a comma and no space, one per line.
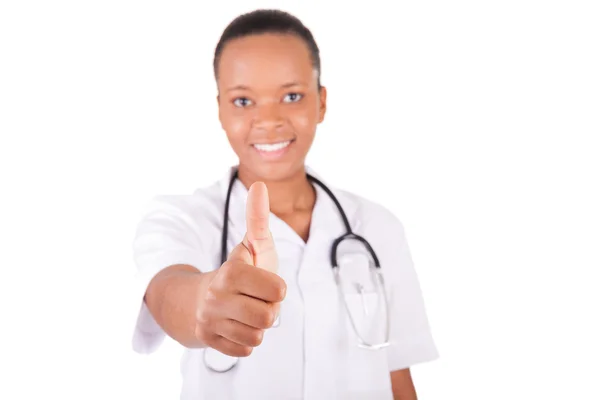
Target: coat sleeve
(167,234)
(410,332)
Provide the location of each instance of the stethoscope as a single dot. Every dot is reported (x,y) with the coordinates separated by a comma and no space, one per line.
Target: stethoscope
(219,362)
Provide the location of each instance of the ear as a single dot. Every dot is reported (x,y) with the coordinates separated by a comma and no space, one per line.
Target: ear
(322,103)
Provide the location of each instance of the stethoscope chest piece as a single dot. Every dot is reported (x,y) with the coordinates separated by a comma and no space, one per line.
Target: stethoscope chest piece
(217,361)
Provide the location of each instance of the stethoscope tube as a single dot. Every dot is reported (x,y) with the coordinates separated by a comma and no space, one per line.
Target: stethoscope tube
(349,235)
(230,362)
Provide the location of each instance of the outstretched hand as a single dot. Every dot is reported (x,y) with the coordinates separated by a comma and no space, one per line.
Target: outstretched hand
(243,297)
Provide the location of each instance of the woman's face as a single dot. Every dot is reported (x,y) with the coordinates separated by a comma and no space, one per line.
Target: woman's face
(269,103)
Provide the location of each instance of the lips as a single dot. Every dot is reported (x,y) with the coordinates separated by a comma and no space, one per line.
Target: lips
(272,147)
(273,151)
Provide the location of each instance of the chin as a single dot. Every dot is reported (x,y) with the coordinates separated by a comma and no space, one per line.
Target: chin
(276,171)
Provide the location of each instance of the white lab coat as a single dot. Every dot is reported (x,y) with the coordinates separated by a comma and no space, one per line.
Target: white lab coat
(312,354)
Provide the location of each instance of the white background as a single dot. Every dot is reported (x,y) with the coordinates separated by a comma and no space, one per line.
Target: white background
(477,122)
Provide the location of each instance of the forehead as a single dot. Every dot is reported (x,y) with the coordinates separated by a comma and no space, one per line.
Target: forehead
(266,59)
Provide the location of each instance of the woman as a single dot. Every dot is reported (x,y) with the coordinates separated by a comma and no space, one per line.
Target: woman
(265,316)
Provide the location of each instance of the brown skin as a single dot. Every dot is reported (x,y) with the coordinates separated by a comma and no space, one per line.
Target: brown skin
(268,93)
(227,309)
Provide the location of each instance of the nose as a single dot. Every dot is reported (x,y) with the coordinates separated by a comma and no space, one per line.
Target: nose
(268,117)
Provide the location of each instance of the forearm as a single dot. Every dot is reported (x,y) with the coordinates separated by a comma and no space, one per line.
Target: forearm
(171,297)
(402,385)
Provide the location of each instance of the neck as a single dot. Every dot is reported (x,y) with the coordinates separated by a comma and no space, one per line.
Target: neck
(295,193)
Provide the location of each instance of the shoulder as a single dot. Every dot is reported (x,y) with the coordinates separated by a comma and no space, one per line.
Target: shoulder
(370,214)
(178,229)
(191,212)
(384,231)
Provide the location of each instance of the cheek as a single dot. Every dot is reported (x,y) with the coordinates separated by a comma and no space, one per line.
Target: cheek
(237,129)
(305,123)
(302,122)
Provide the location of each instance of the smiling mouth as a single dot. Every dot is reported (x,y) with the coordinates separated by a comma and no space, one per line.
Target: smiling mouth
(272,147)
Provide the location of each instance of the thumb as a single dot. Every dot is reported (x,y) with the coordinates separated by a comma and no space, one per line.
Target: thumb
(258,238)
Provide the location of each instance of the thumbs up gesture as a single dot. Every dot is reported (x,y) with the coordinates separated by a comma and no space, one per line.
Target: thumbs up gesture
(257,248)
(241,299)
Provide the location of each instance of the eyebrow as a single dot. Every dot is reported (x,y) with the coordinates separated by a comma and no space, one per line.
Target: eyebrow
(238,87)
(284,86)
(291,84)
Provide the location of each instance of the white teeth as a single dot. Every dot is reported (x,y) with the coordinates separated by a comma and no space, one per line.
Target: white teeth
(272,147)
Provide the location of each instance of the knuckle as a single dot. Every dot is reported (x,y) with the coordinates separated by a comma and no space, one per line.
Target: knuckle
(227,266)
(245,351)
(211,293)
(280,290)
(240,254)
(229,273)
(267,319)
(210,299)
(256,337)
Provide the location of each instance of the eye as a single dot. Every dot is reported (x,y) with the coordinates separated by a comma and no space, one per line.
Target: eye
(242,102)
(292,97)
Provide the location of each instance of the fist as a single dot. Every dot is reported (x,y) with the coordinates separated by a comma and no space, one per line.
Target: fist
(242,298)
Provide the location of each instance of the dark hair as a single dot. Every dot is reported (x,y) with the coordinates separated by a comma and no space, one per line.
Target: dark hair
(268,21)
